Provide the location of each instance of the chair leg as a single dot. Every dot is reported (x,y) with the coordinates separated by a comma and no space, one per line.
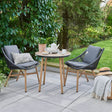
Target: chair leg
(86,77)
(77,81)
(93,73)
(18,76)
(37,74)
(25,81)
(8,78)
(66,75)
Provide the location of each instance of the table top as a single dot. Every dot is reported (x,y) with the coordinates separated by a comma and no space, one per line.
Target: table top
(58,55)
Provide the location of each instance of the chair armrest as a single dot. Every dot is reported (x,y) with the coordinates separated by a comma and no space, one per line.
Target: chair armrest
(78,56)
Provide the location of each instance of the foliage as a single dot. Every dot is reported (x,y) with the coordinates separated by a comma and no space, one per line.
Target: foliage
(47,16)
(2,79)
(51,40)
(42,40)
(23,21)
(78,15)
(47,41)
(87,12)
(3,66)
(89,35)
(109,19)
(94,34)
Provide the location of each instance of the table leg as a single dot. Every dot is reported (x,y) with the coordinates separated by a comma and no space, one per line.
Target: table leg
(63,70)
(61,81)
(25,81)
(45,70)
(41,74)
(77,84)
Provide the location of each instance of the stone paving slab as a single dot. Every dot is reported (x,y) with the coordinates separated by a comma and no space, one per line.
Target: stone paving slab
(8,97)
(68,110)
(28,104)
(89,104)
(14,99)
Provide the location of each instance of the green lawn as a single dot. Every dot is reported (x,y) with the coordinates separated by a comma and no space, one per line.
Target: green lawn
(106,59)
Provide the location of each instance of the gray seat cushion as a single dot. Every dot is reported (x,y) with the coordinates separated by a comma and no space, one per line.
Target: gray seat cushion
(9,49)
(76,64)
(28,64)
(91,54)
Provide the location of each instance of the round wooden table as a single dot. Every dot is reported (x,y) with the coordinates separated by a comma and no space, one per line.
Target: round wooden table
(61,63)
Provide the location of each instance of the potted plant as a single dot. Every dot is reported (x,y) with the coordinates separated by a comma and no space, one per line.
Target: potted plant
(2,80)
(42,44)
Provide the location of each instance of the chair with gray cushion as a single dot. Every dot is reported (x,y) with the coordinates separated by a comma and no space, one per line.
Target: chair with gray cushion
(88,60)
(22,67)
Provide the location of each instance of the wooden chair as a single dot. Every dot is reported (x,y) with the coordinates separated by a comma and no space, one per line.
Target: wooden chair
(7,50)
(88,60)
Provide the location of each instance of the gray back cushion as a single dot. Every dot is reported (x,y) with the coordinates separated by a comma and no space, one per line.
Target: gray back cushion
(9,49)
(91,54)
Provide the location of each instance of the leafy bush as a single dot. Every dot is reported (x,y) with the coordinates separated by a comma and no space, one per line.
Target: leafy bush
(109,17)
(47,41)
(42,40)
(22,22)
(109,20)
(2,79)
(89,35)
(3,67)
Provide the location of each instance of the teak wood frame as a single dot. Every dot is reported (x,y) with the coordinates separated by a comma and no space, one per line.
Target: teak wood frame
(62,72)
(24,74)
(79,74)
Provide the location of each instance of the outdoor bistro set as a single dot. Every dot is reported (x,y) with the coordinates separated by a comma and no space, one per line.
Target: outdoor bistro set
(88,60)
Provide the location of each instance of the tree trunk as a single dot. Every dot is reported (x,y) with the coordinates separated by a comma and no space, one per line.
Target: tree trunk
(65,38)
(59,40)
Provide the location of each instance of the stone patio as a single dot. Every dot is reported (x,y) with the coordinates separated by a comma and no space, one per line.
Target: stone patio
(14,99)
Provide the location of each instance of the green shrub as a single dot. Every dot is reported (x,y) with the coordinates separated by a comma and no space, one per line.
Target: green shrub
(89,35)
(109,20)
(2,79)
(22,22)
(3,67)
(42,40)
(109,17)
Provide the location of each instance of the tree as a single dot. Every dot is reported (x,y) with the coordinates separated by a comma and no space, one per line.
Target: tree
(76,16)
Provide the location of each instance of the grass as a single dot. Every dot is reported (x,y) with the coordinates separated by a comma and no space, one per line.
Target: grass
(106,59)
